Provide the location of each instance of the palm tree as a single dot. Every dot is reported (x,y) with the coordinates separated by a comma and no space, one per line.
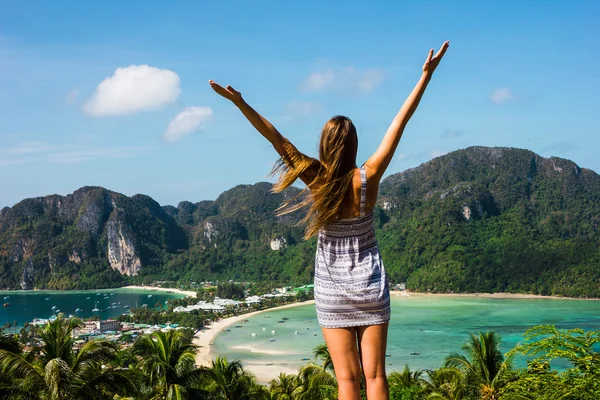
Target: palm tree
(285,387)
(407,378)
(484,365)
(445,384)
(316,383)
(167,363)
(54,371)
(227,380)
(322,351)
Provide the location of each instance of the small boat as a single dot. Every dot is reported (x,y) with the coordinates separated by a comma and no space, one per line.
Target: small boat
(414,353)
(295,333)
(271,340)
(71,316)
(280,322)
(307,328)
(388,355)
(112,294)
(238,326)
(6,304)
(228,330)
(98,294)
(87,298)
(96,308)
(305,359)
(273,332)
(245,320)
(53,307)
(57,311)
(6,297)
(264,329)
(127,306)
(268,316)
(285,318)
(78,309)
(149,295)
(253,334)
(47,298)
(315,334)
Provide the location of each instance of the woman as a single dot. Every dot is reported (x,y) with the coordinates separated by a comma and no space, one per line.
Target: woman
(351,290)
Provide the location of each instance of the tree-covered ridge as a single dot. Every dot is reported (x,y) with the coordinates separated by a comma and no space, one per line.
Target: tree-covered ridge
(493,220)
(475,220)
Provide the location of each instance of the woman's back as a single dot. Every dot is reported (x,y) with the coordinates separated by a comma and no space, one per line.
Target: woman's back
(351,287)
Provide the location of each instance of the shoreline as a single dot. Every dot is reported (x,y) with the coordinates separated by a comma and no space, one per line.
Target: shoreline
(498,295)
(186,293)
(204,339)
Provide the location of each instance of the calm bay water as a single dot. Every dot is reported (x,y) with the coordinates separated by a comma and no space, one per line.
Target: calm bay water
(25,305)
(432,326)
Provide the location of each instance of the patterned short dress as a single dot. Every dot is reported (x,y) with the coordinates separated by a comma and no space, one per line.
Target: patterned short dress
(351,287)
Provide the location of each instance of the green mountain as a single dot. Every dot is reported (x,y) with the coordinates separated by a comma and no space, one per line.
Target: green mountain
(476,220)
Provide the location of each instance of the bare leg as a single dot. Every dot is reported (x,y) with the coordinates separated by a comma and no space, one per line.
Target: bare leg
(341,343)
(373,342)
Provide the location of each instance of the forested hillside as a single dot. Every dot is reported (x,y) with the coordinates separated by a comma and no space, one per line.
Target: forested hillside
(477,220)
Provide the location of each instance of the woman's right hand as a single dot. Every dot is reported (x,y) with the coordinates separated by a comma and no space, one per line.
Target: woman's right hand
(228,92)
(432,62)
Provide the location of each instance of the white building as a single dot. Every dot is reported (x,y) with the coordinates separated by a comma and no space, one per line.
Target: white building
(253,300)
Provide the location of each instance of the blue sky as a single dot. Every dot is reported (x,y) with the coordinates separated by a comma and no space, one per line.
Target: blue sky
(115,93)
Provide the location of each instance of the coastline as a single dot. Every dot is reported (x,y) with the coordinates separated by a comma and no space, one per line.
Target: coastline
(204,339)
(187,293)
(499,295)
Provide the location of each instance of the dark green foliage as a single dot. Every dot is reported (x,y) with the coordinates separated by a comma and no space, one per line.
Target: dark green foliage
(475,220)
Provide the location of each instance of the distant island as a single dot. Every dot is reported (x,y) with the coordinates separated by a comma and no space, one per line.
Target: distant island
(479,220)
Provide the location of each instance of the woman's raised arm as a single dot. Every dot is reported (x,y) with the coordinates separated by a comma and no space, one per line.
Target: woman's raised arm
(260,123)
(379,161)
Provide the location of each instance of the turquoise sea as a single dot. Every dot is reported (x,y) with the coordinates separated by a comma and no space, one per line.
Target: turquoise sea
(25,305)
(432,326)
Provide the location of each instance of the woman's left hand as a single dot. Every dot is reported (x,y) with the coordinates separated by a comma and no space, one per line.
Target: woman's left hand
(228,92)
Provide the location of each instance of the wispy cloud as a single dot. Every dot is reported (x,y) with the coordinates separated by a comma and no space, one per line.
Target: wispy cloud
(348,78)
(133,89)
(39,152)
(72,96)
(501,95)
(297,110)
(438,152)
(559,148)
(191,119)
(29,147)
(451,133)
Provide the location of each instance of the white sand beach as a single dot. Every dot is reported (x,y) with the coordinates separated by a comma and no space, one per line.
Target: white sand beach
(264,372)
(253,349)
(187,293)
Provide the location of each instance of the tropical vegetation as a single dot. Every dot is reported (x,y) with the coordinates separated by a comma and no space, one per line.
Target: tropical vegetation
(478,219)
(50,365)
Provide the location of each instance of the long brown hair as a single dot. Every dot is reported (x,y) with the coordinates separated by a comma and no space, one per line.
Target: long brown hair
(330,177)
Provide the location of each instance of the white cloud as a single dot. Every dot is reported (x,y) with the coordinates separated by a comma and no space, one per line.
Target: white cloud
(318,81)
(72,96)
(501,95)
(133,89)
(189,120)
(348,78)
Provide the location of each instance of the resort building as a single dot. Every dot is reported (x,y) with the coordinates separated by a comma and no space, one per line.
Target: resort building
(252,300)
